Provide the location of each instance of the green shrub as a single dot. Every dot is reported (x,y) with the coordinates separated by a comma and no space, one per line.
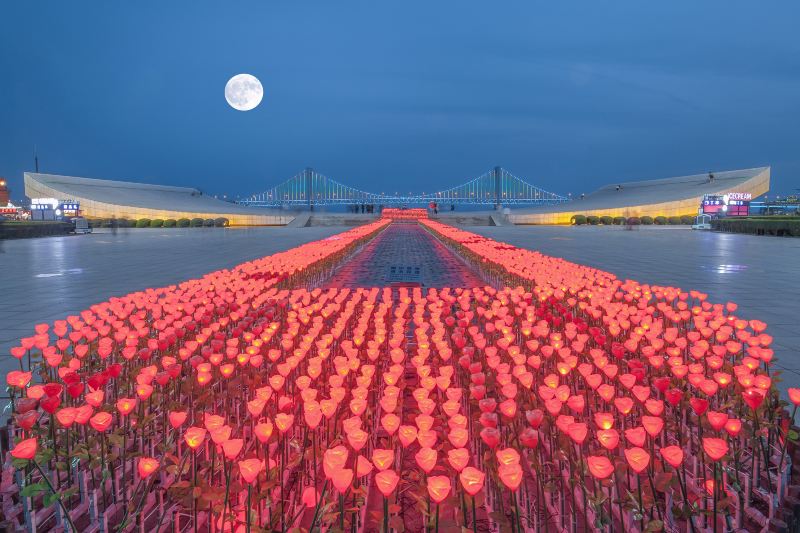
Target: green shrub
(170,223)
(208,223)
(143,223)
(619,221)
(156,223)
(674,221)
(661,221)
(578,220)
(634,221)
(184,223)
(647,221)
(221,222)
(593,220)
(607,220)
(196,223)
(687,219)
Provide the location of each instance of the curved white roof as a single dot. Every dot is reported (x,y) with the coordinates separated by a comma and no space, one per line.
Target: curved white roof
(636,193)
(125,193)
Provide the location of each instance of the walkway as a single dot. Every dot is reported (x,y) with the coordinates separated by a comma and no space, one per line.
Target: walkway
(405,254)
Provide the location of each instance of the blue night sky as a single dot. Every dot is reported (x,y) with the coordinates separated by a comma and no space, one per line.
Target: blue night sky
(406,96)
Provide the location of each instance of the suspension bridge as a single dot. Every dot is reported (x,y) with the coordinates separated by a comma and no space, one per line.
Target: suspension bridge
(309,188)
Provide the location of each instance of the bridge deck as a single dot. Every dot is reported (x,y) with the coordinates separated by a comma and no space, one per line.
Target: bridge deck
(405,255)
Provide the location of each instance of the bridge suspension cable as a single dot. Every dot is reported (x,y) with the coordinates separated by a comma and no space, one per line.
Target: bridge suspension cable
(309,188)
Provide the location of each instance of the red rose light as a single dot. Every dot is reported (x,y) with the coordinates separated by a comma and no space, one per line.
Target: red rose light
(438,488)
(386,481)
(638,459)
(794,396)
(194,437)
(600,467)
(101,421)
(753,397)
(472,480)
(426,459)
(343,479)
(608,438)
(382,458)
(733,426)
(510,475)
(249,469)
(458,458)
(283,422)
(25,449)
(508,456)
(18,379)
(334,460)
(699,405)
(177,418)
(66,416)
(490,436)
(717,420)
(604,420)
(126,405)
(673,455)
(715,448)
(146,466)
(232,447)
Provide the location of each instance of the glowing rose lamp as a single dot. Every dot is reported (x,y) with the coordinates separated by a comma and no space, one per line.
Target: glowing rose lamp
(386,481)
(438,490)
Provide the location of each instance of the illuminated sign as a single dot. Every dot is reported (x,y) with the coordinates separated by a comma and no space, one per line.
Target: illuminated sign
(44,203)
(713,203)
(68,207)
(732,205)
(738,208)
(743,196)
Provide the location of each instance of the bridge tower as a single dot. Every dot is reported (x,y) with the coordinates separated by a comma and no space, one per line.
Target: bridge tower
(497,173)
(308,174)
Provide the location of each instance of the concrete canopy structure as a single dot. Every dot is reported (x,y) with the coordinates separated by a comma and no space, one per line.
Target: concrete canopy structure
(660,197)
(123,199)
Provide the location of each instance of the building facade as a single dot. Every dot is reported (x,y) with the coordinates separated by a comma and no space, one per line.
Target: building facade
(660,197)
(122,199)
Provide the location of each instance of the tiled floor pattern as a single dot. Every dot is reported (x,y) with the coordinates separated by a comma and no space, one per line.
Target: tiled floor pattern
(404,254)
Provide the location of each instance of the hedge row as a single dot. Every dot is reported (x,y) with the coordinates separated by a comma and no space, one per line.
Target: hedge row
(780,227)
(13,229)
(580,220)
(159,223)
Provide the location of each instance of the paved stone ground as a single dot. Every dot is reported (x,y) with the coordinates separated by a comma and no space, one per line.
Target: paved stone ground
(49,278)
(405,253)
(761,274)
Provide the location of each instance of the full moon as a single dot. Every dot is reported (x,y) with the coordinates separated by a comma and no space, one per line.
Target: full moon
(244,92)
